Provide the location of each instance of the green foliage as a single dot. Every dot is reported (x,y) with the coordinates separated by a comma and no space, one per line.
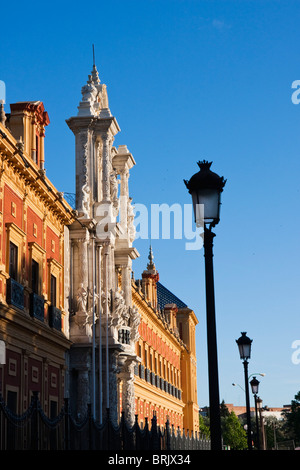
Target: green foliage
(204,426)
(233,433)
(292,420)
(224,412)
(275,431)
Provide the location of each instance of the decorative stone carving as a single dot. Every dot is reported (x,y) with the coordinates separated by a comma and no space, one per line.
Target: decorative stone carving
(81,299)
(128,391)
(88,92)
(120,315)
(100,169)
(83,190)
(135,320)
(86,201)
(114,192)
(130,221)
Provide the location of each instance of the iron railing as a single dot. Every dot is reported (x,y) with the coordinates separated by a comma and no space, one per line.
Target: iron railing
(33,430)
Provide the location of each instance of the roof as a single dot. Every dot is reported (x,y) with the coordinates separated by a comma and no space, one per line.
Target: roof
(164,297)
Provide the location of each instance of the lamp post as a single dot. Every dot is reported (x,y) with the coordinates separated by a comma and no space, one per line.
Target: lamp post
(254,386)
(205,188)
(244,345)
(261,420)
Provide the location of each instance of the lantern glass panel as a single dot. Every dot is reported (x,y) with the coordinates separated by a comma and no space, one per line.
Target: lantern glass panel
(206,204)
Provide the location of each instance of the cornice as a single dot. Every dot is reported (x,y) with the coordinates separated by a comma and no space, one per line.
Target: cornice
(152,315)
(93,123)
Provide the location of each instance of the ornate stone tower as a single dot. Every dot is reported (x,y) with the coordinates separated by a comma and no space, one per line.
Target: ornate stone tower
(103,323)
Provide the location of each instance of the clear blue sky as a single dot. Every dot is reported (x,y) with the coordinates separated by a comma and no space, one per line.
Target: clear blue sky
(189,80)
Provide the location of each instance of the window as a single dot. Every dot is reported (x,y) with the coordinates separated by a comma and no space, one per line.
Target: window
(35,276)
(53,290)
(36,157)
(54,282)
(14,251)
(146,358)
(13,261)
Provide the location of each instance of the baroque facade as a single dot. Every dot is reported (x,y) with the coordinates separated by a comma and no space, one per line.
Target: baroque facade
(73,319)
(127,351)
(103,321)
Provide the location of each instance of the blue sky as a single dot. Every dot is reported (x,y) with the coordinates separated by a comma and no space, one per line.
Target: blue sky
(189,80)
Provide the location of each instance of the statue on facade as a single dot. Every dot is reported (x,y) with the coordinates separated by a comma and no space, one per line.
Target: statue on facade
(89,91)
(81,299)
(135,320)
(120,315)
(86,200)
(130,221)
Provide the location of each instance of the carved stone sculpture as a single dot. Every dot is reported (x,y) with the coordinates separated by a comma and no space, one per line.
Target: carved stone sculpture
(130,221)
(135,319)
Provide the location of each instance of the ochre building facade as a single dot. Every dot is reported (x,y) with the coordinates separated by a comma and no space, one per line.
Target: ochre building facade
(165,379)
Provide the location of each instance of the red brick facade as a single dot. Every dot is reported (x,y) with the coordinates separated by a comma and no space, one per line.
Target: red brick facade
(33,217)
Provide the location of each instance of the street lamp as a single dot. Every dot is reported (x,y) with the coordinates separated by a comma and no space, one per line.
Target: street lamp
(254,386)
(205,188)
(244,345)
(261,421)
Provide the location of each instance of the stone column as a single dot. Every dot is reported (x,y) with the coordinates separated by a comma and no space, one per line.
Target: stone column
(82,183)
(113,388)
(106,165)
(80,323)
(126,284)
(98,169)
(83,392)
(124,200)
(128,402)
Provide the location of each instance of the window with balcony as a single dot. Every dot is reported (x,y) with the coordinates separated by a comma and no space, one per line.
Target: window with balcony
(35,276)
(53,290)
(14,244)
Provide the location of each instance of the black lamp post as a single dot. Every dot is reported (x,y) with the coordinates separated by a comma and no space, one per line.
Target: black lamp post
(244,344)
(254,386)
(261,424)
(205,188)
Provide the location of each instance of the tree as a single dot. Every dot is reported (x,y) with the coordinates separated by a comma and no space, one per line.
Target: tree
(204,426)
(292,423)
(224,411)
(233,433)
(274,431)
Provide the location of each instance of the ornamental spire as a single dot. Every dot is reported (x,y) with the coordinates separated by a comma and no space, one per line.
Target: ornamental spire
(151,264)
(95,74)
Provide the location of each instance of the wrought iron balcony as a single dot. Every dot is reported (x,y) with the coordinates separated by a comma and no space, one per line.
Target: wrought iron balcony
(124,335)
(37,306)
(54,317)
(15,293)
(142,371)
(152,378)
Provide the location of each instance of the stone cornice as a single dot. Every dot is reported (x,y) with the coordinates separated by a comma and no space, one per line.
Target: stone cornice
(191,313)
(93,123)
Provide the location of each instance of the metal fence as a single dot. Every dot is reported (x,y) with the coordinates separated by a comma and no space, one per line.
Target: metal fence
(33,430)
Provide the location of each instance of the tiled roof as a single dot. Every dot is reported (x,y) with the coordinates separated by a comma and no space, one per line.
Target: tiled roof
(164,297)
